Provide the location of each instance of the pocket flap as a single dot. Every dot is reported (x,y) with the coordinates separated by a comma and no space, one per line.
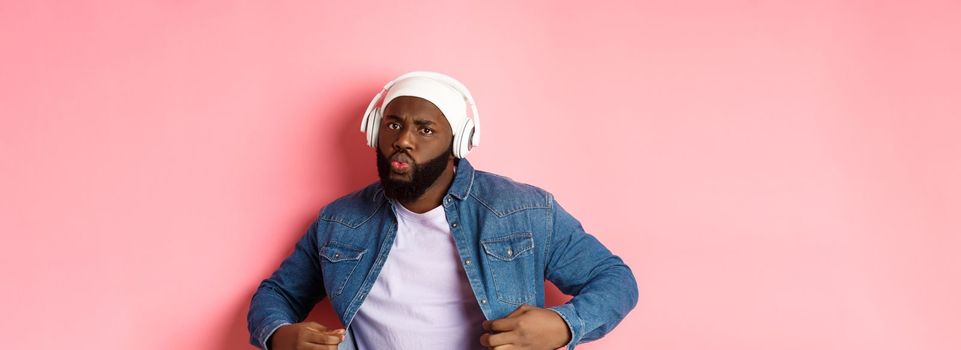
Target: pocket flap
(508,248)
(335,252)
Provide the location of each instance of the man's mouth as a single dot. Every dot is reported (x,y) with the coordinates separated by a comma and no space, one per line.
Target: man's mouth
(400,163)
(399,166)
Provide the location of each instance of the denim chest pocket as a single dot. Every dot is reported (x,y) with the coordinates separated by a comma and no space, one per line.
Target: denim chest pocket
(338,262)
(511,263)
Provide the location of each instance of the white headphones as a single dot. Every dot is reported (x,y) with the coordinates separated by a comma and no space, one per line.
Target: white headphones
(464,139)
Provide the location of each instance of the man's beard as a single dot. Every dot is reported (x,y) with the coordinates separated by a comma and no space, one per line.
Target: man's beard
(422,176)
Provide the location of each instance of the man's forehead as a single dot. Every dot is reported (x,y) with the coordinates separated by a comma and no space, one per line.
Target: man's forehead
(413,105)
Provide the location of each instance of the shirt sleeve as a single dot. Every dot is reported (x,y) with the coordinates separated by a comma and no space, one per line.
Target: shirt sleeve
(290,292)
(603,287)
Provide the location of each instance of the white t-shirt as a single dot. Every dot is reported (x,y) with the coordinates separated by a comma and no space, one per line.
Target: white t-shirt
(421,299)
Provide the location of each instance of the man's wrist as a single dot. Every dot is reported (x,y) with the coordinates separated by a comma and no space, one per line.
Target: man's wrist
(566,312)
(268,341)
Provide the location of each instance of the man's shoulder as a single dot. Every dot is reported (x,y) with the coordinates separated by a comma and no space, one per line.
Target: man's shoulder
(356,207)
(504,196)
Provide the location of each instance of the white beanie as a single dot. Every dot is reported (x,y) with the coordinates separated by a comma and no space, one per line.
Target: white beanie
(445,97)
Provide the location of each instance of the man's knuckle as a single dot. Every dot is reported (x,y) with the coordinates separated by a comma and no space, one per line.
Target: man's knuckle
(522,323)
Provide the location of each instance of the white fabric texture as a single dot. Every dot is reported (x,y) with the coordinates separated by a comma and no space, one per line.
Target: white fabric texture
(421,299)
(446,98)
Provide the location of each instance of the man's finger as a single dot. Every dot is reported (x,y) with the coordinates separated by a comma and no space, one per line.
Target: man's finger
(485,340)
(501,325)
(315,326)
(317,347)
(497,339)
(520,310)
(324,338)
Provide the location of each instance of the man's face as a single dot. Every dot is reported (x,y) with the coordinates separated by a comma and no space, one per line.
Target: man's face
(414,146)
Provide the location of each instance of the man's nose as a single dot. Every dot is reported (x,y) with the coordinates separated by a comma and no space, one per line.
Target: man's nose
(404,140)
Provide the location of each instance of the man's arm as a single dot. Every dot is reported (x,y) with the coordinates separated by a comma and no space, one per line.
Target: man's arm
(290,292)
(603,287)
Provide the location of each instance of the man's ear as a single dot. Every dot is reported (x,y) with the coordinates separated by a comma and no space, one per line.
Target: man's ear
(450,150)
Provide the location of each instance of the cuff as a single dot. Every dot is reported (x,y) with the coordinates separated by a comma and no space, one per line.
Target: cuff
(573,323)
(267,331)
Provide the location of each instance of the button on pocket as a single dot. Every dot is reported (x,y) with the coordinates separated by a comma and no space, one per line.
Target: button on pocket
(511,263)
(338,261)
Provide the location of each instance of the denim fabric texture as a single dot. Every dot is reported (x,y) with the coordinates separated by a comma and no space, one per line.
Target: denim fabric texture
(511,237)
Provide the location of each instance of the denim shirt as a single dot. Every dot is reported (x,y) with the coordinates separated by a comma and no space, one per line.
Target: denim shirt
(510,236)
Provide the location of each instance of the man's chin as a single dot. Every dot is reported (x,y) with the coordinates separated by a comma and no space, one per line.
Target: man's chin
(400,178)
(396,181)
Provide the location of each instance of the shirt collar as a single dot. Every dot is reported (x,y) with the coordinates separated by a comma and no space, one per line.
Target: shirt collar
(463,180)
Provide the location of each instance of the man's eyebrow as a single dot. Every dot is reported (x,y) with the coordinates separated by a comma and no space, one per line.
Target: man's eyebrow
(418,121)
(423,122)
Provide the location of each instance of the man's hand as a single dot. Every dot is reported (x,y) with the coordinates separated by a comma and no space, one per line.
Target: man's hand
(306,335)
(528,327)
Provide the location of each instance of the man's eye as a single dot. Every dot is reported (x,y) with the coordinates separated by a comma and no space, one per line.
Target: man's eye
(427,131)
(393,126)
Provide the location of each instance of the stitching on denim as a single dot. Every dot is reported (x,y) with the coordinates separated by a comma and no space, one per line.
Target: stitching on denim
(574,338)
(342,282)
(509,237)
(344,222)
(580,324)
(527,297)
(516,254)
(527,292)
(501,214)
(347,278)
(344,246)
(550,231)
(264,333)
(352,307)
(470,184)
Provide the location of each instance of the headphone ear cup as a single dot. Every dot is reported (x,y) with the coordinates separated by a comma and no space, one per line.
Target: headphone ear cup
(367,119)
(373,127)
(462,143)
(369,124)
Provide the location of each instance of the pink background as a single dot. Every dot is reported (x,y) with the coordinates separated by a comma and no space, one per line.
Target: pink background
(779,175)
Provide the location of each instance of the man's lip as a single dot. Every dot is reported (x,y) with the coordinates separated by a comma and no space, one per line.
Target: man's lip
(401,158)
(400,162)
(400,166)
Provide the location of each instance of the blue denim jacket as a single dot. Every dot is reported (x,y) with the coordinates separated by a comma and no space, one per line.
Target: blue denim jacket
(510,237)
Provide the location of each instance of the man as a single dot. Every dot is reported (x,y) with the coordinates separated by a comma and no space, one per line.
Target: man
(438,255)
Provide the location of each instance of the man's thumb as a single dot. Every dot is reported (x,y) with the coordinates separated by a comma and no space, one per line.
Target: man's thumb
(315,326)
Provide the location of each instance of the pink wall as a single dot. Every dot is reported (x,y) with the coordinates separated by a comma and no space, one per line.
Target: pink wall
(779,175)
